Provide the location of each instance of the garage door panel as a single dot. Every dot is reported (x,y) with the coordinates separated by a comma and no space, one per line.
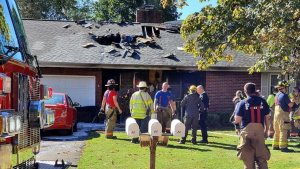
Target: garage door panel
(84,102)
(81,89)
(81,92)
(84,83)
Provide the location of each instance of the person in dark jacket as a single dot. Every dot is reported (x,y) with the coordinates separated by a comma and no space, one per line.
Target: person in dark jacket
(191,104)
(237,97)
(236,101)
(203,112)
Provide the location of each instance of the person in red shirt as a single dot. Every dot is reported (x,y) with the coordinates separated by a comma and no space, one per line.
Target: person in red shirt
(111,105)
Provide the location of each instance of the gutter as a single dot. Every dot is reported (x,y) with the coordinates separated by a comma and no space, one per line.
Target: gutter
(147,67)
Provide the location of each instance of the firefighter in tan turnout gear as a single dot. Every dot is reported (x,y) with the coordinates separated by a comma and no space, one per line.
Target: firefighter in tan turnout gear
(296,118)
(282,123)
(110,102)
(253,113)
(294,95)
(141,108)
(271,103)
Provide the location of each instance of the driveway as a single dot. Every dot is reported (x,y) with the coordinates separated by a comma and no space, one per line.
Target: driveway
(67,148)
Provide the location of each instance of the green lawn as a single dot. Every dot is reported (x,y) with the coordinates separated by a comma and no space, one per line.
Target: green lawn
(218,154)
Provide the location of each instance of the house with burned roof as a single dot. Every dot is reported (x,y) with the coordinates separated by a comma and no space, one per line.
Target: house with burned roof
(79,57)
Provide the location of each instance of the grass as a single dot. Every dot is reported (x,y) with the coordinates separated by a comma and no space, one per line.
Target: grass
(220,153)
(25,155)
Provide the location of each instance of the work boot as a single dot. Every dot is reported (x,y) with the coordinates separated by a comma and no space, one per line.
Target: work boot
(134,140)
(286,150)
(182,141)
(112,137)
(276,148)
(203,141)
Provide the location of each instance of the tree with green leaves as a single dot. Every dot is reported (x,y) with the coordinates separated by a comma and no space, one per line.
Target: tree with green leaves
(5,33)
(115,10)
(55,9)
(169,12)
(118,10)
(268,29)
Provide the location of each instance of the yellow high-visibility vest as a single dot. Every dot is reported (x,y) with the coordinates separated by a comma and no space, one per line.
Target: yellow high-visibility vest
(139,106)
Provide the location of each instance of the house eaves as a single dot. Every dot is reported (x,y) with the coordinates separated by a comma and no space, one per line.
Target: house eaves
(143,67)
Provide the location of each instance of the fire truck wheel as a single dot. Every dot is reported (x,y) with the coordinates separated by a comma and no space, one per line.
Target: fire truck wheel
(75,127)
(43,133)
(70,131)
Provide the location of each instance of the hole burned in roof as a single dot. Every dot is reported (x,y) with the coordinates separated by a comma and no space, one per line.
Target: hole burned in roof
(107,39)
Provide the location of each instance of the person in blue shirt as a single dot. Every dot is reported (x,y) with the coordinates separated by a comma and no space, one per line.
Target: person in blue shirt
(253,113)
(163,112)
(282,122)
(125,38)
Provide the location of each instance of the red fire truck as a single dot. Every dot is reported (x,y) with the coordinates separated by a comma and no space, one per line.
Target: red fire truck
(22,113)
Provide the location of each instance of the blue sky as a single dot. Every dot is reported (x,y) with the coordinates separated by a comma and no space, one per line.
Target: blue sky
(194,6)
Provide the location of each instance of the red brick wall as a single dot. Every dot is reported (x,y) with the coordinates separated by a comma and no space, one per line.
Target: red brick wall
(149,16)
(76,71)
(221,88)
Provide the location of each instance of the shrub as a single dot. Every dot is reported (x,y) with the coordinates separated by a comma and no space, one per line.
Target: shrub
(218,120)
(224,118)
(213,120)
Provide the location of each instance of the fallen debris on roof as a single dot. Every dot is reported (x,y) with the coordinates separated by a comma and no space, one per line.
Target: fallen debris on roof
(169,55)
(87,45)
(109,49)
(180,48)
(88,25)
(147,41)
(169,28)
(67,26)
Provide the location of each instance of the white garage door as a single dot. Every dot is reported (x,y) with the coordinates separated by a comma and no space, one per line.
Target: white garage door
(81,89)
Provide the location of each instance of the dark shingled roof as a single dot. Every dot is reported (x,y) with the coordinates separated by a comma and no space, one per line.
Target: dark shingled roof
(52,43)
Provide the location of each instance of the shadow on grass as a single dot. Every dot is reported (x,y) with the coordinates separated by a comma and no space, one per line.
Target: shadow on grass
(174,139)
(226,128)
(199,135)
(184,147)
(295,146)
(94,135)
(124,139)
(220,145)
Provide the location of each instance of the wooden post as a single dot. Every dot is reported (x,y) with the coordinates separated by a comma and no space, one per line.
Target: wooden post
(153,145)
